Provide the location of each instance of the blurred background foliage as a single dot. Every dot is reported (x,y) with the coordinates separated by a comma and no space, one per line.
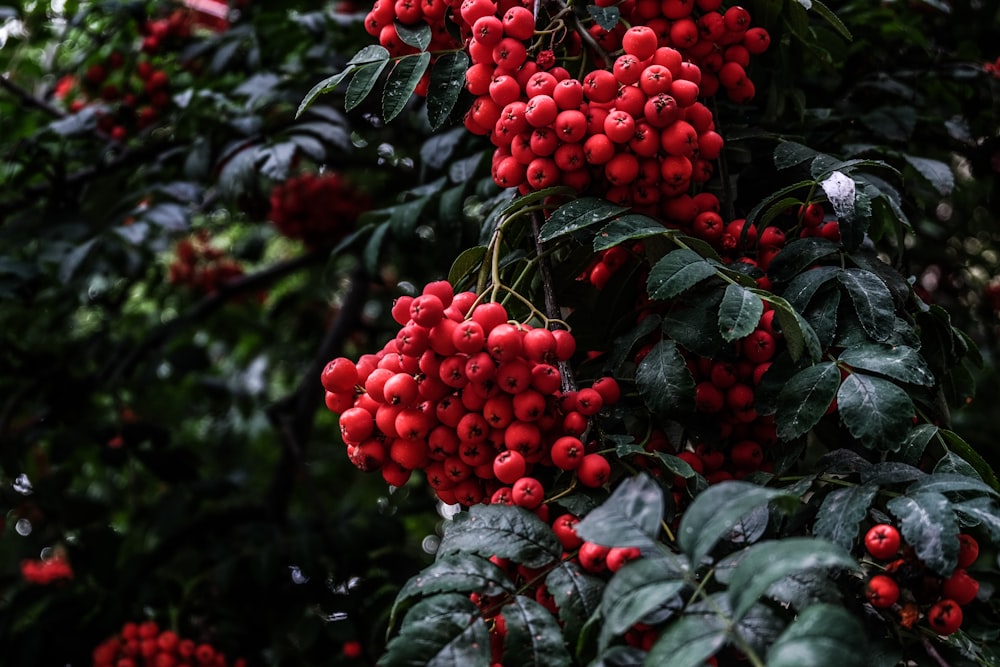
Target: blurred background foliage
(161,419)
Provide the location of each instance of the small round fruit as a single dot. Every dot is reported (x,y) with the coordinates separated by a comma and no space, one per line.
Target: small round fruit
(945,616)
(882,591)
(960,587)
(882,541)
(968,550)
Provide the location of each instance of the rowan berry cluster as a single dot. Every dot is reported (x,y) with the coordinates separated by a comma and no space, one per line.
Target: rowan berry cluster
(146,645)
(470,398)
(200,265)
(908,587)
(317,209)
(132,86)
(46,570)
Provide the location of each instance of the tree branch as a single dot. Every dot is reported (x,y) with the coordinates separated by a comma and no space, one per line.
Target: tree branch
(28,99)
(294,416)
(226,291)
(552,310)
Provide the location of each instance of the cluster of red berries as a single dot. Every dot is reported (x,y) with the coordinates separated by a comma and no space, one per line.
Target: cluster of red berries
(146,645)
(46,570)
(200,265)
(318,209)
(906,585)
(132,90)
(474,401)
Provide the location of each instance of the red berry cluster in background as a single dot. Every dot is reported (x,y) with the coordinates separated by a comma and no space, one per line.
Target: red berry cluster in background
(200,265)
(474,401)
(906,585)
(319,209)
(146,645)
(46,570)
(131,85)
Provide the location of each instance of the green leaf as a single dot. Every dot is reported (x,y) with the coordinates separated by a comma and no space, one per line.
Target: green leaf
(606,17)
(418,36)
(798,333)
(577,594)
(949,482)
(803,287)
(440,631)
(374,248)
(916,442)
(619,656)
(534,638)
(936,172)
(688,642)
(799,255)
(466,263)
(888,473)
(506,531)
(755,212)
(898,362)
(739,313)
(627,228)
(874,410)
(362,83)
(768,562)
(821,635)
(694,322)
(841,513)
(980,511)
(576,215)
(928,524)
(678,271)
(664,381)
(630,517)
(872,302)
(403,80)
(447,81)
(638,589)
(789,154)
(621,349)
(715,512)
(965,450)
(805,398)
(370,54)
(457,573)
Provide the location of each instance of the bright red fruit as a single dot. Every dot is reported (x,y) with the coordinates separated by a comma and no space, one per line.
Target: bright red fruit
(882,541)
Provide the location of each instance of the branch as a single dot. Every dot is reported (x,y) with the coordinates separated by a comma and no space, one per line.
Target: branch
(585,35)
(32,194)
(28,99)
(552,310)
(294,416)
(226,291)
(932,652)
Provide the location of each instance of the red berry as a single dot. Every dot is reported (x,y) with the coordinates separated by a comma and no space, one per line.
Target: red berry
(882,541)
(968,550)
(882,591)
(960,587)
(594,470)
(945,617)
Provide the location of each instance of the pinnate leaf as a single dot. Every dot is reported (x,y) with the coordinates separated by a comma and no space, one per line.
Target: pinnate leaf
(578,214)
(506,531)
(805,398)
(739,312)
(874,410)
(715,512)
(898,362)
(630,517)
(442,630)
(928,524)
(403,80)
(678,271)
(664,381)
(534,638)
(841,513)
(823,634)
